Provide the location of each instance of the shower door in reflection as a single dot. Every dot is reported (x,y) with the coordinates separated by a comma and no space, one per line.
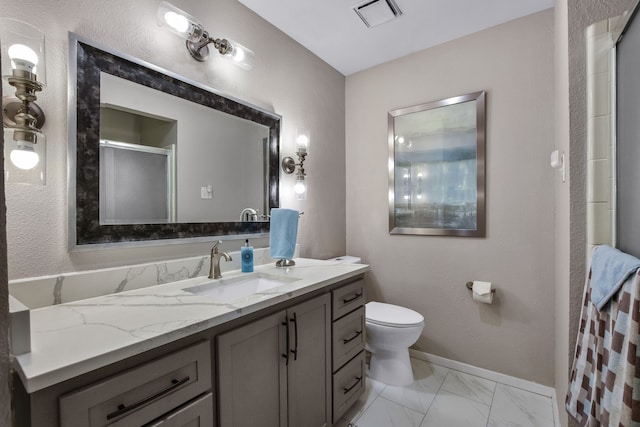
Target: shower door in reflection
(136,184)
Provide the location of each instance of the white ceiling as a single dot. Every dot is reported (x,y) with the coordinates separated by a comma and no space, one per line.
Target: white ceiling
(335,33)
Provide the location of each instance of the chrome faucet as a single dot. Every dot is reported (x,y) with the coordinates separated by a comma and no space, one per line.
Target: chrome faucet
(214,268)
(248,215)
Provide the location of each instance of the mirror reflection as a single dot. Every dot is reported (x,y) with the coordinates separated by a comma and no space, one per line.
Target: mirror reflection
(173,160)
(154,156)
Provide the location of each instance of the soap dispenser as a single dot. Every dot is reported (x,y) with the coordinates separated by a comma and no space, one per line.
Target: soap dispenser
(246,253)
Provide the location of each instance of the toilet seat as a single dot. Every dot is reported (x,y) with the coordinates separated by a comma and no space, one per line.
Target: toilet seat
(391,315)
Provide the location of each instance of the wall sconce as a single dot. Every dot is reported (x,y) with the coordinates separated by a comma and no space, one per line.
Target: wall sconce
(23,67)
(186,26)
(289,165)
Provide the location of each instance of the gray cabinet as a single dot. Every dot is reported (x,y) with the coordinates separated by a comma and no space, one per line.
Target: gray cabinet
(300,364)
(276,371)
(348,336)
(144,393)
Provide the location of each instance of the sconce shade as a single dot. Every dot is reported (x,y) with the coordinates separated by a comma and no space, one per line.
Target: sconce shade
(24,156)
(235,52)
(23,51)
(300,188)
(179,22)
(302,140)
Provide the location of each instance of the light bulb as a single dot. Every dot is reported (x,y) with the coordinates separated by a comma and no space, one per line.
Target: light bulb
(300,187)
(23,58)
(24,157)
(302,141)
(238,54)
(176,21)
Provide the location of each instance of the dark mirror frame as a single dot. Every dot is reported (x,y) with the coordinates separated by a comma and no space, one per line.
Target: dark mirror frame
(86,62)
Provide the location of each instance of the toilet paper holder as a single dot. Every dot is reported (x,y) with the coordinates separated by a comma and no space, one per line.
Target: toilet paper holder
(470,287)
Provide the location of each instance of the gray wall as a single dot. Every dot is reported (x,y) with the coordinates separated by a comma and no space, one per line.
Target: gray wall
(562,212)
(287,79)
(5,394)
(513,62)
(572,19)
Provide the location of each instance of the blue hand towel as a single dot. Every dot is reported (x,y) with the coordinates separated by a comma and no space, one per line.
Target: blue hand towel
(283,233)
(610,268)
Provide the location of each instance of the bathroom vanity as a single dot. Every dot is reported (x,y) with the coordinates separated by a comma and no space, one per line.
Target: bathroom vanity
(277,347)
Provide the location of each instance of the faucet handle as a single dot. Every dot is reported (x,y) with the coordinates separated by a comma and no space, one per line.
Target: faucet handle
(214,249)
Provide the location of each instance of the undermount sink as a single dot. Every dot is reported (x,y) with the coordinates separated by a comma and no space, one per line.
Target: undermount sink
(235,288)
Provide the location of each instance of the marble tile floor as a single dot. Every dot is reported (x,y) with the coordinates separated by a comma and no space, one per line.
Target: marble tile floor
(442,397)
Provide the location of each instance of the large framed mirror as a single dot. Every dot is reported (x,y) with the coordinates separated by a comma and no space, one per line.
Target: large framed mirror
(437,167)
(154,156)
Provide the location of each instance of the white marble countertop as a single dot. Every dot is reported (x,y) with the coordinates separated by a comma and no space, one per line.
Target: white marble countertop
(78,337)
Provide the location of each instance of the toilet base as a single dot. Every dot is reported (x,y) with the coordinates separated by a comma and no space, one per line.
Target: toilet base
(391,367)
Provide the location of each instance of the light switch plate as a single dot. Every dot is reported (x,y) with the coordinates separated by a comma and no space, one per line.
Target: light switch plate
(206,192)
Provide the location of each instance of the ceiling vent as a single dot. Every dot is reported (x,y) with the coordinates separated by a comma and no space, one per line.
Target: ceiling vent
(376,12)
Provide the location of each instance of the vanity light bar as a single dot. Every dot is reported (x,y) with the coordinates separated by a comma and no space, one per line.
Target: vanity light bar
(186,26)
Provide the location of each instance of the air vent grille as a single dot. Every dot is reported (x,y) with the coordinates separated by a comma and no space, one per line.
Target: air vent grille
(376,12)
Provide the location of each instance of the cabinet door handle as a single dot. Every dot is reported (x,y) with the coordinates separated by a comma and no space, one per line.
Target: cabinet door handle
(348,389)
(348,300)
(123,409)
(356,335)
(286,332)
(294,320)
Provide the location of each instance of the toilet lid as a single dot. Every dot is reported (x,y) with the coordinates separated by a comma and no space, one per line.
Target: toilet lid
(392,315)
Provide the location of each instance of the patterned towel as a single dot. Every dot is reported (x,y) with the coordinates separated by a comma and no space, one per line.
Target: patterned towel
(604,387)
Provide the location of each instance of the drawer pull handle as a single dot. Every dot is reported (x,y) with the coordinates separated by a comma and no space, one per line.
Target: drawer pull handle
(123,409)
(294,320)
(348,300)
(348,340)
(348,389)
(286,333)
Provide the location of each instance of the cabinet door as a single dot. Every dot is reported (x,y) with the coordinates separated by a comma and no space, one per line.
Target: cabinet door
(252,376)
(309,373)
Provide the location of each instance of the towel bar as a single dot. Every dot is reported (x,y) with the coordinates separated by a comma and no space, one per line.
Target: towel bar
(470,287)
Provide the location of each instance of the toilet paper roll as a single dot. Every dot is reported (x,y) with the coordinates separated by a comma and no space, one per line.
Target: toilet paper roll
(482,292)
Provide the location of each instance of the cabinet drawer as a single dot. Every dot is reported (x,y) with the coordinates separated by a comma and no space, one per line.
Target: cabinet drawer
(348,337)
(198,413)
(347,298)
(141,394)
(348,385)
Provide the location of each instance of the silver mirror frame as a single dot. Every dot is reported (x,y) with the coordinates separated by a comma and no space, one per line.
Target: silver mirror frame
(84,229)
(479,231)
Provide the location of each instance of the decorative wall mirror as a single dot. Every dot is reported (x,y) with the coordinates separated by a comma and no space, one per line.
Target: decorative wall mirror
(437,168)
(155,156)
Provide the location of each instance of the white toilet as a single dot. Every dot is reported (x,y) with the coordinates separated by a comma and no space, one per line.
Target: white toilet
(391,330)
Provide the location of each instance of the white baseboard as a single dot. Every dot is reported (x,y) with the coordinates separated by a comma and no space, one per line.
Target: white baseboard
(493,376)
